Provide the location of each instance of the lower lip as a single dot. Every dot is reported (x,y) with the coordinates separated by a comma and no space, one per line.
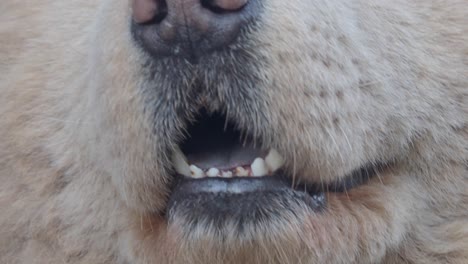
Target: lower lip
(237,185)
(218,199)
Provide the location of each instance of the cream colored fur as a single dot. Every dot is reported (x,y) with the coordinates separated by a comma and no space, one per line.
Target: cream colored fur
(343,82)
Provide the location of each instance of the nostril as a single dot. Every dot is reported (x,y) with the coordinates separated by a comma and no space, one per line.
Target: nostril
(223,6)
(149,11)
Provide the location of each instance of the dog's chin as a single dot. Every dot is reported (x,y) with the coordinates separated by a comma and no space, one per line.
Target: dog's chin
(227,181)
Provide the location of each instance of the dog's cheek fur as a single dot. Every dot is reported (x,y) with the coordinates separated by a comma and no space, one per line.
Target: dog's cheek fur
(352,100)
(70,120)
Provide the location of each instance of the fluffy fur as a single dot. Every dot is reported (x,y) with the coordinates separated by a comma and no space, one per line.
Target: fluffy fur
(88,121)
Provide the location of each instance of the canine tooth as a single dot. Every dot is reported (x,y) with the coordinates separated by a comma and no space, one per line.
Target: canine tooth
(227,174)
(213,172)
(196,172)
(180,163)
(259,168)
(241,172)
(274,160)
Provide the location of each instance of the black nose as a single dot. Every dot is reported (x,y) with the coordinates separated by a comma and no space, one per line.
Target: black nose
(189,28)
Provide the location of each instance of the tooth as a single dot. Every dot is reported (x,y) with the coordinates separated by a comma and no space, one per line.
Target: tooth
(213,172)
(180,163)
(274,160)
(197,173)
(227,174)
(259,168)
(241,172)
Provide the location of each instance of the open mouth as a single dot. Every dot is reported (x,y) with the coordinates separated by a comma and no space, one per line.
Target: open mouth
(216,149)
(223,174)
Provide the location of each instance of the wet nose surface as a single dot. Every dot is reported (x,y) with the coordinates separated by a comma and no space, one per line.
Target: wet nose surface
(189,28)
